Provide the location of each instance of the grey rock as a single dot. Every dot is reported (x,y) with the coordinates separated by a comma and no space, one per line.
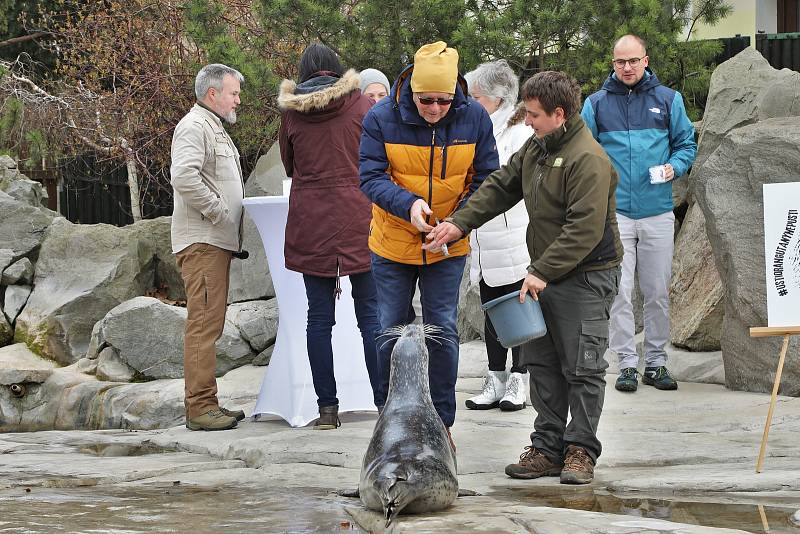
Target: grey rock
(69,400)
(83,271)
(23,376)
(18,356)
(6,258)
(86,366)
(111,368)
(166,274)
(470,314)
(158,352)
(257,321)
(250,279)
(6,331)
(16,298)
(264,357)
(739,94)
(728,190)
(18,186)
(19,272)
(696,291)
(22,227)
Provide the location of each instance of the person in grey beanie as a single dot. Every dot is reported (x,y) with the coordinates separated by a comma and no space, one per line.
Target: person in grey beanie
(374,84)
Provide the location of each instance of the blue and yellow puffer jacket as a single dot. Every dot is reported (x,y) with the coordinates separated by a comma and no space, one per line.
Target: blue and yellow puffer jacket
(403,158)
(641,127)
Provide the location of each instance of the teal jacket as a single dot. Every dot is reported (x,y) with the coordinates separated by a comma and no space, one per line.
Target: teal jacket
(641,127)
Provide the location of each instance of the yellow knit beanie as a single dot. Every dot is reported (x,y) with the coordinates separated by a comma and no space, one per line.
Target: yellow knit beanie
(435,69)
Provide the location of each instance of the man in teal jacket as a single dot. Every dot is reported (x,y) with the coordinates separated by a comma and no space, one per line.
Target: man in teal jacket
(642,124)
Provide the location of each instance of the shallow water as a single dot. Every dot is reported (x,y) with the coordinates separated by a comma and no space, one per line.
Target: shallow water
(172,508)
(721,514)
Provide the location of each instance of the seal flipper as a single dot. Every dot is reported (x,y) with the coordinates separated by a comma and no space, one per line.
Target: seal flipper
(396,494)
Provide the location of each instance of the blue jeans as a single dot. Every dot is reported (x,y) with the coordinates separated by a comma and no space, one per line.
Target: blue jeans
(322,317)
(438,284)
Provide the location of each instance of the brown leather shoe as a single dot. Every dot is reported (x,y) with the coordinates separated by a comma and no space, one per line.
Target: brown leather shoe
(533,464)
(328,418)
(236,414)
(578,466)
(211,420)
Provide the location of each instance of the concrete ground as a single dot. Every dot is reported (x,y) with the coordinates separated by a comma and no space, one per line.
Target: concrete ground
(676,461)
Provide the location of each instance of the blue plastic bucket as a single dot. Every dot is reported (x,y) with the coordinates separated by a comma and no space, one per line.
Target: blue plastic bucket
(515,322)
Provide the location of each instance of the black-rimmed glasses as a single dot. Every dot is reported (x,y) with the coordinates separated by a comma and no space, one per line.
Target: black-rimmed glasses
(633,62)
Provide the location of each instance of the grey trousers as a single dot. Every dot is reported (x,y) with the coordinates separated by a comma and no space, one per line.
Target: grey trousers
(566,365)
(648,244)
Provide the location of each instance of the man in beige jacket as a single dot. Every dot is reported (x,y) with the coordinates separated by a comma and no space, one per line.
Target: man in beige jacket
(208,189)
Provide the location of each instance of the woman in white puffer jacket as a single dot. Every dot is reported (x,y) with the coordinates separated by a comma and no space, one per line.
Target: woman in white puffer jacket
(499,253)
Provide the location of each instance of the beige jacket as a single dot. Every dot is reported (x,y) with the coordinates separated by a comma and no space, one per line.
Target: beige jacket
(207,183)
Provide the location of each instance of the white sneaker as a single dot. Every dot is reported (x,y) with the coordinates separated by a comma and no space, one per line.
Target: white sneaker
(494,387)
(516,393)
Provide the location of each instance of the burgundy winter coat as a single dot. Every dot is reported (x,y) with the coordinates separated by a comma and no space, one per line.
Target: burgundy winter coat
(329,216)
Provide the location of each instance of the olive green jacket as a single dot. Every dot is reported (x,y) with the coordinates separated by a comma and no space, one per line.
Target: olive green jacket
(568,185)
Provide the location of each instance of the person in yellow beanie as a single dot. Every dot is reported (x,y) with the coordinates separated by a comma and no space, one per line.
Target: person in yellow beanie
(424,150)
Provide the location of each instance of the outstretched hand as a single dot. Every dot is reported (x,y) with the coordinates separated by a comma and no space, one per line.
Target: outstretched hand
(442,234)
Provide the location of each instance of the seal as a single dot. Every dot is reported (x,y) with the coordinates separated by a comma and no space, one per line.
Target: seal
(409,465)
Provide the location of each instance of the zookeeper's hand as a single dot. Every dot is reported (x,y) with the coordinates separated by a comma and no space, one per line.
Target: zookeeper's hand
(419,209)
(532,285)
(442,234)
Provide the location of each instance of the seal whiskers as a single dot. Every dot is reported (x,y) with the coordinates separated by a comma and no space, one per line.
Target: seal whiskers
(409,465)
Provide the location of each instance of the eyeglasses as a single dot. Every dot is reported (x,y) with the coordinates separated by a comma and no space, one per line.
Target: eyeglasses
(633,62)
(431,101)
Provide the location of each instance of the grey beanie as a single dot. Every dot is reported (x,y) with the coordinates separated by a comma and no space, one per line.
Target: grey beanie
(369,76)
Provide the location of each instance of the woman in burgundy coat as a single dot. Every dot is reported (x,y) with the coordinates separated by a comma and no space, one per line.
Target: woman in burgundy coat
(329,216)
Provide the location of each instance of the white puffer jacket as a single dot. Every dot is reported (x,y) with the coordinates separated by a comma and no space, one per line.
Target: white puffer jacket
(499,252)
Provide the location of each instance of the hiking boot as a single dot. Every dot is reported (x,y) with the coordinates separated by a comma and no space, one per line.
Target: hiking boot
(494,387)
(211,420)
(328,418)
(236,414)
(578,466)
(516,393)
(659,377)
(533,464)
(627,381)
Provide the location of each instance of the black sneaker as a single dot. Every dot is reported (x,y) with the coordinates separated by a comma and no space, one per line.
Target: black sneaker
(658,377)
(627,381)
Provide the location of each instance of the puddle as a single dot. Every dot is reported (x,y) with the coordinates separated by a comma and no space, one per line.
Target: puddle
(173,509)
(748,517)
(121,449)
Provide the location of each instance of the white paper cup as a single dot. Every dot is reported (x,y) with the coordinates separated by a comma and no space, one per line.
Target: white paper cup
(658,174)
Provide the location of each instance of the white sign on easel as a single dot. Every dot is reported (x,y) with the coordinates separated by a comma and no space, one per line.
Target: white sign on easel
(782,253)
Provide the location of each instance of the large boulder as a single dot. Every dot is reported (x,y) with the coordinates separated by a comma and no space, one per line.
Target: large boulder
(250,279)
(6,258)
(696,307)
(728,187)
(83,271)
(157,352)
(22,226)
(743,90)
(256,320)
(17,185)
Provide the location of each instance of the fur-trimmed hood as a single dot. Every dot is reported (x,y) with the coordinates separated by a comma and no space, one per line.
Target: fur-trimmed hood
(289,98)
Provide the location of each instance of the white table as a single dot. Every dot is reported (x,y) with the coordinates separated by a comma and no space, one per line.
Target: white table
(287,389)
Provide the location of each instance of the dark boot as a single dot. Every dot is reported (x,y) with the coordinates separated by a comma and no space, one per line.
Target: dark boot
(328,418)
(578,466)
(533,464)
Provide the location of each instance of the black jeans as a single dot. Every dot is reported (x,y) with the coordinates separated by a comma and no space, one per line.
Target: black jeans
(497,353)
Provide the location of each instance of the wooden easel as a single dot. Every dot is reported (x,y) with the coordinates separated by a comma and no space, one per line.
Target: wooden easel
(768,331)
